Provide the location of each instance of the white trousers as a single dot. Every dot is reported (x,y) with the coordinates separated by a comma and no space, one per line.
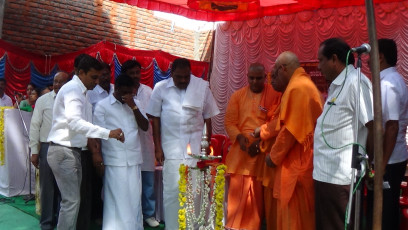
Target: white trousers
(171,178)
(122,209)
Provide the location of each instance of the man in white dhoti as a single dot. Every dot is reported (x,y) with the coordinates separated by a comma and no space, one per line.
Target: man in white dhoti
(122,179)
(179,106)
(143,93)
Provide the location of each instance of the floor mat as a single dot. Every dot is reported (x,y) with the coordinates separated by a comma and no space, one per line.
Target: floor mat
(19,203)
(16,214)
(13,218)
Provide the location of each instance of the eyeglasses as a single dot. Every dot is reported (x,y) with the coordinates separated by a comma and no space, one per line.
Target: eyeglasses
(275,73)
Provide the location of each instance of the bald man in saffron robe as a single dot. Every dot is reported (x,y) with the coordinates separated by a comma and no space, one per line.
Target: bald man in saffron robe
(292,152)
(247,109)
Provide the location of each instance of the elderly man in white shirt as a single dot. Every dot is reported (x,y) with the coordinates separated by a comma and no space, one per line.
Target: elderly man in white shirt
(394,99)
(143,94)
(122,178)
(179,107)
(39,129)
(335,132)
(71,126)
(4,99)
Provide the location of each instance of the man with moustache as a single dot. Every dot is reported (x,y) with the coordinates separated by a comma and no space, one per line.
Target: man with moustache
(179,107)
(71,126)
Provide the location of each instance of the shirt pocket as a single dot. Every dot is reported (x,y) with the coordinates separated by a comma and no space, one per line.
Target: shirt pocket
(191,118)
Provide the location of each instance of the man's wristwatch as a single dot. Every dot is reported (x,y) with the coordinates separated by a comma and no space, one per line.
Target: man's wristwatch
(134,108)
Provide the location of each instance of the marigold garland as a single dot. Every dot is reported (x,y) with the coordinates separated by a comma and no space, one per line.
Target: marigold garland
(182,197)
(215,197)
(2,154)
(219,196)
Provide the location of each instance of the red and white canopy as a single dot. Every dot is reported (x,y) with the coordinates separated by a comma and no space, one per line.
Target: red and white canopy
(239,10)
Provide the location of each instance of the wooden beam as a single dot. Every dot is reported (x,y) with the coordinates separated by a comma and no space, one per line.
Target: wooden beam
(378,129)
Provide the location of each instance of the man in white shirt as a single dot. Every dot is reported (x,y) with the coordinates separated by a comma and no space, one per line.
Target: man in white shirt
(122,178)
(4,99)
(143,94)
(71,126)
(103,89)
(91,201)
(179,106)
(394,99)
(39,129)
(335,132)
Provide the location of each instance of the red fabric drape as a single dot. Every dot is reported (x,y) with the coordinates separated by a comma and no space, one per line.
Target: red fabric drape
(17,69)
(237,44)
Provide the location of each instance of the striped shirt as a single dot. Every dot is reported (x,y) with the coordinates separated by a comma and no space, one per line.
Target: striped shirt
(333,149)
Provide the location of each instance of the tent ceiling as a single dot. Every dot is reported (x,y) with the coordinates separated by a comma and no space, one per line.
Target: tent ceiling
(239,10)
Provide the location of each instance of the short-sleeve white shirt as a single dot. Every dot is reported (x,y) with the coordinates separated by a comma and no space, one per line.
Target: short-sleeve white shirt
(394,98)
(334,165)
(111,114)
(180,126)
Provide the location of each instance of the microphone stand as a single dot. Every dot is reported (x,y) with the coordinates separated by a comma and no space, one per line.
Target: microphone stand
(30,196)
(357,163)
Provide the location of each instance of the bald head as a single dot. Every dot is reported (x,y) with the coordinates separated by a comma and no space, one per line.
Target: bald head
(60,79)
(256,77)
(288,59)
(285,65)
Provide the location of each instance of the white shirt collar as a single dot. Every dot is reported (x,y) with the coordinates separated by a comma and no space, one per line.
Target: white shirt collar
(170,83)
(339,79)
(99,89)
(387,71)
(53,94)
(113,100)
(76,79)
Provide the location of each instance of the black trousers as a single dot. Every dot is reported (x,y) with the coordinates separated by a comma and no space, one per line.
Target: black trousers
(50,195)
(394,174)
(85,208)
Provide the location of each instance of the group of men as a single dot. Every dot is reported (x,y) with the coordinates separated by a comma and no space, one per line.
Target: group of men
(80,129)
(290,161)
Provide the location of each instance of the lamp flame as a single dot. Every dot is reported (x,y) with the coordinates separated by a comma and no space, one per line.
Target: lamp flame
(188,149)
(212,151)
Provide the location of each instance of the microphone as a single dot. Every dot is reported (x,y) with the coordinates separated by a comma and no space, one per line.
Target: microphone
(364,48)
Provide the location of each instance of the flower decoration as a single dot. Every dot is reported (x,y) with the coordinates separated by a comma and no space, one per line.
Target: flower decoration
(2,153)
(208,184)
(182,197)
(219,195)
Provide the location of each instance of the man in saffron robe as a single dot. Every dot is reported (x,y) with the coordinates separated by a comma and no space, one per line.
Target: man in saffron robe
(292,152)
(247,109)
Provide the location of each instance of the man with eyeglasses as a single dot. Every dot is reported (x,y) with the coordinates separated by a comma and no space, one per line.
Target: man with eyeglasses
(292,152)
